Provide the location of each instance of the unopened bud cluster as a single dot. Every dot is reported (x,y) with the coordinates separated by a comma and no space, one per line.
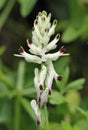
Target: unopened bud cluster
(39,48)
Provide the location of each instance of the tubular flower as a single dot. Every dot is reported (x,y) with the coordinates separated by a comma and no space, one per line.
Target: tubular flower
(36,111)
(39,52)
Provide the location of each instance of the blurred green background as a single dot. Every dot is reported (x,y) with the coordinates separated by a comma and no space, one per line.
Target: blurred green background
(16,22)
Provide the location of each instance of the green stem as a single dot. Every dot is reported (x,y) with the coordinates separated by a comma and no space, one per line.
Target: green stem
(19,86)
(6,12)
(21,70)
(46,117)
(17,114)
(83,112)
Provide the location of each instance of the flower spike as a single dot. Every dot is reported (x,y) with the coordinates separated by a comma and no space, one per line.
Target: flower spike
(39,47)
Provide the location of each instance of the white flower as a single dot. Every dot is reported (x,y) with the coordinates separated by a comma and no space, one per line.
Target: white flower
(36,83)
(39,80)
(34,49)
(50,76)
(36,111)
(56,55)
(52,44)
(42,75)
(28,57)
(44,97)
(52,29)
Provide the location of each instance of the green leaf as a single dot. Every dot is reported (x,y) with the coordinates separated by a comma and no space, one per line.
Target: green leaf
(73,100)
(75,85)
(61,64)
(26,105)
(65,75)
(3,90)
(85,1)
(52,126)
(2,49)
(77,128)
(27,6)
(72,33)
(5,111)
(21,1)
(66,126)
(62,109)
(83,124)
(56,98)
(78,23)
(76,11)
(2,3)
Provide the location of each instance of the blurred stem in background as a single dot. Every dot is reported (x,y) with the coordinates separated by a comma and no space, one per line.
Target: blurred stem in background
(17,108)
(4,15)
(46,117)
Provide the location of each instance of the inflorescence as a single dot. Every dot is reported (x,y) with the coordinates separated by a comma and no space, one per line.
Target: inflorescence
(39,48)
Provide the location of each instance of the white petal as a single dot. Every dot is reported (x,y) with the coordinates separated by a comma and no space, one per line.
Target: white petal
(53,56)
(50,76)
(18,55)
(37,32)
(52,44)
(31,58)
(44,97)
(42,75)
(35,107)
(34,49)
(35,40)
(52,29)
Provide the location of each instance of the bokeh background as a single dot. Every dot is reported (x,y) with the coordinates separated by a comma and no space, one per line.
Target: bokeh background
(16,22)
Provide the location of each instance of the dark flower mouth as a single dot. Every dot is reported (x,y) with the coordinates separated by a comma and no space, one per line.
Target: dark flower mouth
(59,77)
(62,49)
(21,50)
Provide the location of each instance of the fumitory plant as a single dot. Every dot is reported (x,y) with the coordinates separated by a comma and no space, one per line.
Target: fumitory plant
(40,48)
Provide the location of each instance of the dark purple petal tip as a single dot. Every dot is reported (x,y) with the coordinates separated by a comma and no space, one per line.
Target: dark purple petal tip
(40,86)
(59,77)
(55,22)
(57,36)
(29,41)
(38,121)
(36,22)
(21,50)
(49,91)
(62,49)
